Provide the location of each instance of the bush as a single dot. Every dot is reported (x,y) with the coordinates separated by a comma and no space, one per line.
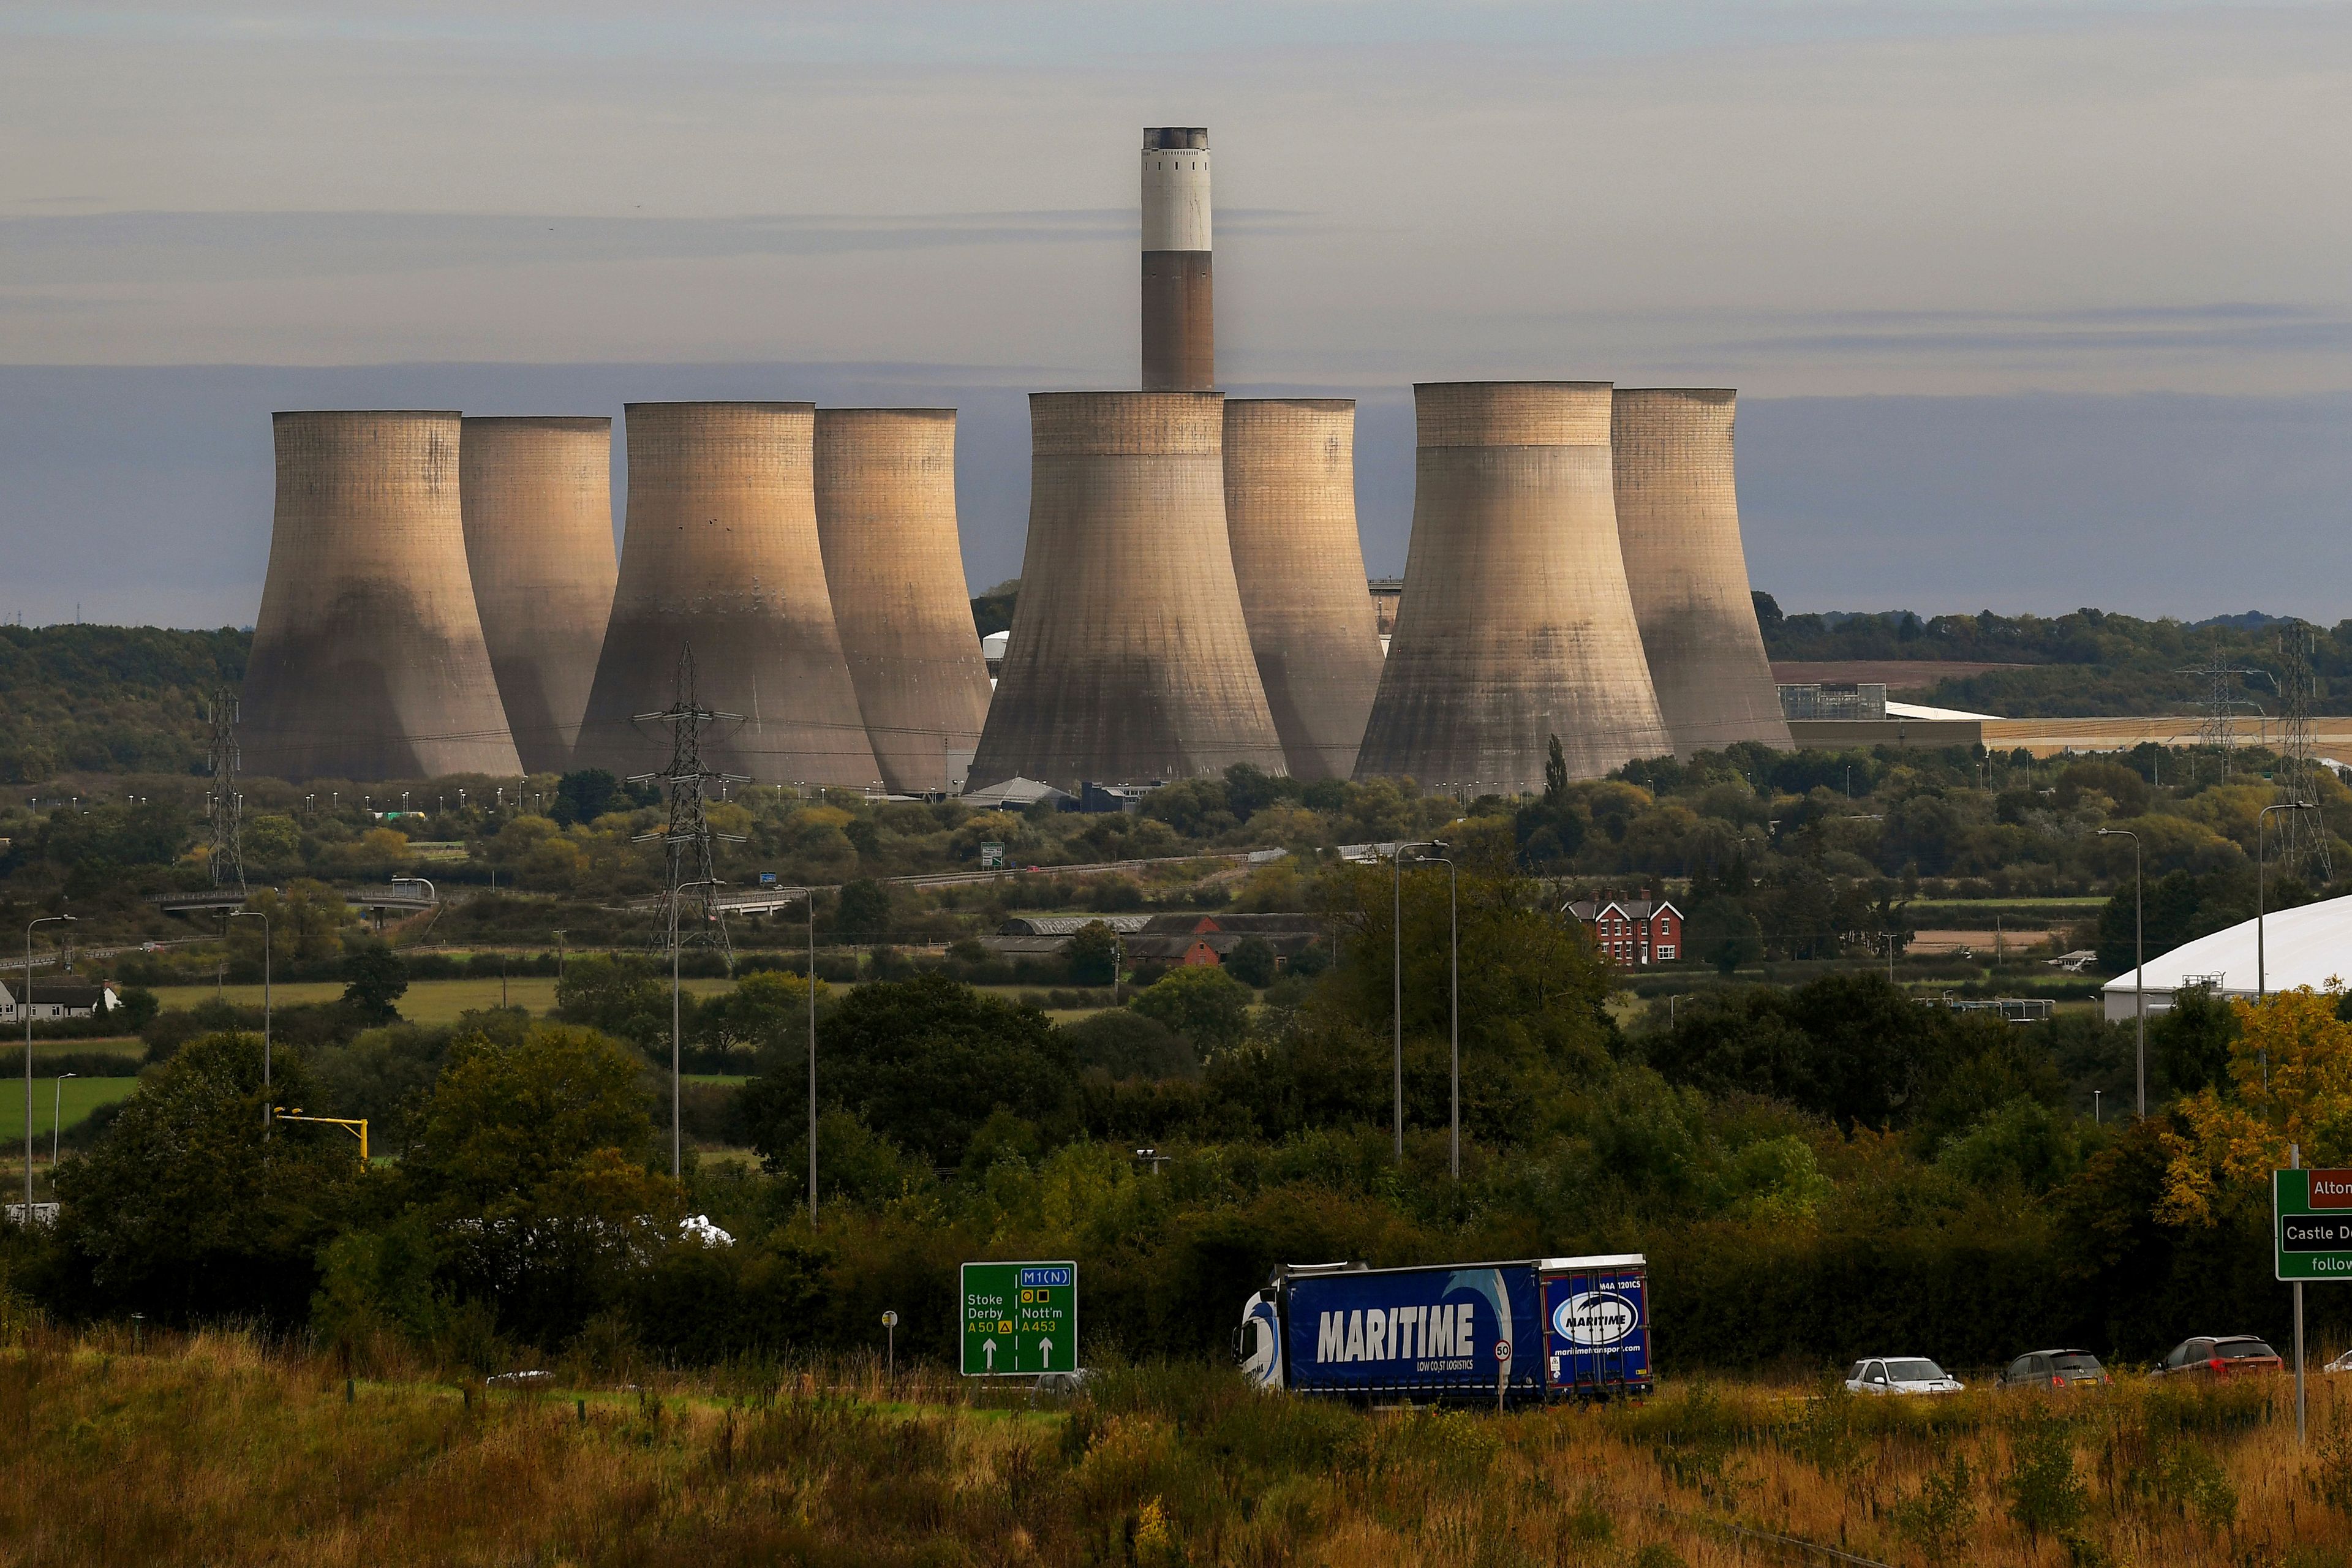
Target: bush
(1127,1044)
(1203,1004)
(1252,961)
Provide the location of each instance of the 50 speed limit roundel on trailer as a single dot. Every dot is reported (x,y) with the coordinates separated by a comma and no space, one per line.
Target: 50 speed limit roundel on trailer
(1020,1319)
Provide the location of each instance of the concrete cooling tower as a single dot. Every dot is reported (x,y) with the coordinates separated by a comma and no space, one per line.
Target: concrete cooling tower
(721,552)
(1678,520)
(1517,625)
(885,516)
(368,660)
(1180,334)
(538,497)
(1129,660)
(1290,512)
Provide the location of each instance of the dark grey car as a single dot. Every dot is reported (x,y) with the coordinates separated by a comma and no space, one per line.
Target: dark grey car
(2054,1369)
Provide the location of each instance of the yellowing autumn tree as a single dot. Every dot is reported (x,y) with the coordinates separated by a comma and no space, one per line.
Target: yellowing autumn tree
(2290,1083)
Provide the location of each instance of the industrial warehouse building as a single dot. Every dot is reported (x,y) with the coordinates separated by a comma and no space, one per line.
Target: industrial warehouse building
(2310,945)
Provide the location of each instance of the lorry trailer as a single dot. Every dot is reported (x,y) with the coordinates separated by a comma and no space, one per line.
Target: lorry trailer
(1524,1331)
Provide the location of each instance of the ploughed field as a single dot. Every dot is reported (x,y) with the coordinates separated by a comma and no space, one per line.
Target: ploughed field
(219,1448)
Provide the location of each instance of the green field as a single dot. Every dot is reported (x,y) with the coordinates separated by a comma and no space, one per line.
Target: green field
(427,1002)
(81,1096)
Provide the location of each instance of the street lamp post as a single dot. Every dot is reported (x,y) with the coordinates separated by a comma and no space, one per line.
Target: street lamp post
(812,1055)
(24,1005)
(2139,965)
(677,1034)
(1396,982)
(2261,973)
(264,918)
(1454,990)
(56,1116)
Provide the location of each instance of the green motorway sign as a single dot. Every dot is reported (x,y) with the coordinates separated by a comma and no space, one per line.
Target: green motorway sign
(2311,1214)
(1020,1318)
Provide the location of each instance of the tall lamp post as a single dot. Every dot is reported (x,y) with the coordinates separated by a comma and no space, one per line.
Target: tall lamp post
(257,914)
(2139,962)
(812,1055)
(677,1031)
(56,1116)
(1454,990)
(1396,980)
(2262,972)
(24,1005)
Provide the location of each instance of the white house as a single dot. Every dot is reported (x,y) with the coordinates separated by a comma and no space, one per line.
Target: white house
(51,1000)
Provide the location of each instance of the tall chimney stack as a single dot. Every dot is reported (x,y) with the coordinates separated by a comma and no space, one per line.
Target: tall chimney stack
(1180,334)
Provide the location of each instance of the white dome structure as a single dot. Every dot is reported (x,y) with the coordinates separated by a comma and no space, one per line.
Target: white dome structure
(2309,945)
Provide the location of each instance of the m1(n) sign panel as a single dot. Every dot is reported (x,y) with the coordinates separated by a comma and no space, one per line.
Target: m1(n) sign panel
(2313,1212)
(1020,1319)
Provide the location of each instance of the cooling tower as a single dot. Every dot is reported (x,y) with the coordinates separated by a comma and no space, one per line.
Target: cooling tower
(1290,512)
(1179,333)
(1678,521)
(886,516)
(721,552)
(1128,659)
(368,660)
(538,536)
(1517,625)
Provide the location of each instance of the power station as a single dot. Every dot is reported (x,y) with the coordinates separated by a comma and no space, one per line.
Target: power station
(538,501)
(886,520)
(1517,625)
(1130,659)
(1678,521)
(368,660)
(444,598)
(720,555)
(1290,512)
(1180,332)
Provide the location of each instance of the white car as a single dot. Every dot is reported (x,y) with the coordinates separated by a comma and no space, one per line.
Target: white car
(1900,1375)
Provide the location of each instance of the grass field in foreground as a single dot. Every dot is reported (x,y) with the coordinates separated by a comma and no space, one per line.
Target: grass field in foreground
(219,1449)
(80,1095)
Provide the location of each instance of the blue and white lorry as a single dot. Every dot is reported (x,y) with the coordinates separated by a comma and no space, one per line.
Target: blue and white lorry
(1528,1332)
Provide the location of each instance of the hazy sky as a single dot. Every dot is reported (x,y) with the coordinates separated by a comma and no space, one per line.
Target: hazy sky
(2106,248)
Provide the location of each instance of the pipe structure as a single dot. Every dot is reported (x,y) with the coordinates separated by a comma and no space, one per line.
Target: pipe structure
(538,500)
(1678,522)
(1290,512)
(368,659)
(721,553)
(1180,331)
(886,520)
(1128,659)
(1519,626)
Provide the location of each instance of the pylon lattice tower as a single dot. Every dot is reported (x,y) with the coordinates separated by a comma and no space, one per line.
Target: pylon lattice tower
(226,809)
(690,907)
(2302,834)
(2217,729)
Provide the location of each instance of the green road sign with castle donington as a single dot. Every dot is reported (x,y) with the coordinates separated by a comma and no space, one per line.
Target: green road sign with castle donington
(2313,1210)
(1020,1318)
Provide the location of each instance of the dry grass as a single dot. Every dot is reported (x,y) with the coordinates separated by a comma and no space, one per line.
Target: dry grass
(219,1448)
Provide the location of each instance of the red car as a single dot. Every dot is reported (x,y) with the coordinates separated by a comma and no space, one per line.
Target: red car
(2230,1355)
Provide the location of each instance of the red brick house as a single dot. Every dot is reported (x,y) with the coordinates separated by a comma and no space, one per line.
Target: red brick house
(1633,933)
